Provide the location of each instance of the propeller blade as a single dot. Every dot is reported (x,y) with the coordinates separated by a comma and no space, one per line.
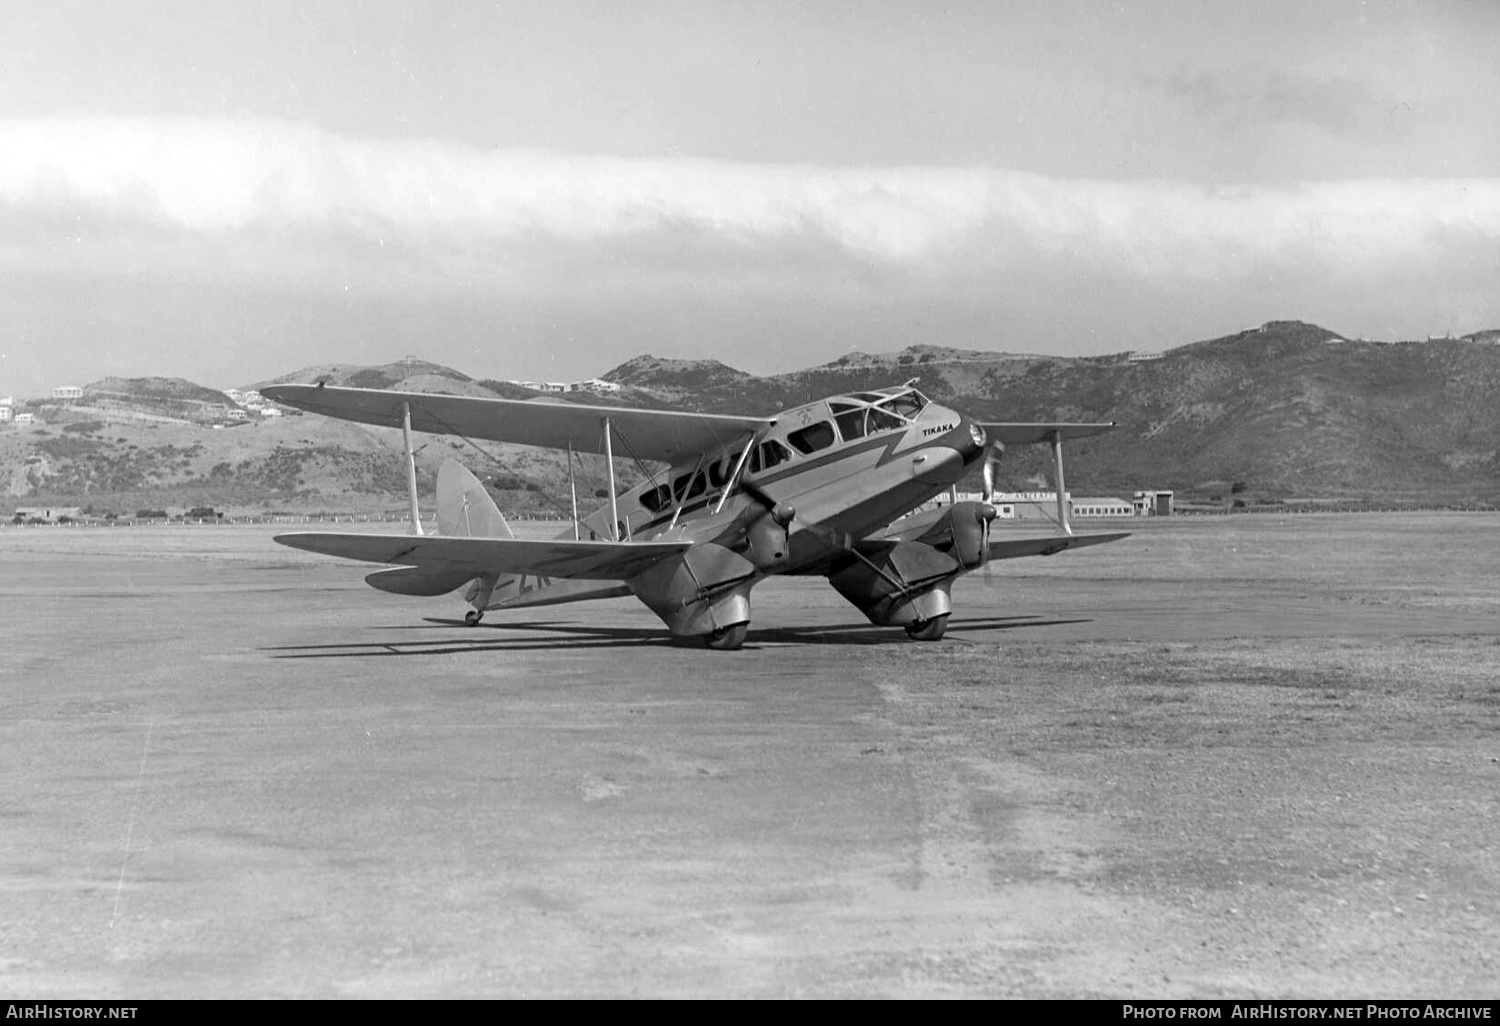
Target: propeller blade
(992,458)
(779,511)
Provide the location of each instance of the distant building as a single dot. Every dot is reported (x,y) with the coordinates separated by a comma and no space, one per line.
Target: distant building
(25,418)
(1133,356)
(51,514)
(593,385)
(67,392)
(234,395)
(4,412)
(235,413)
(1105,507)
(268,411)
(1153,504)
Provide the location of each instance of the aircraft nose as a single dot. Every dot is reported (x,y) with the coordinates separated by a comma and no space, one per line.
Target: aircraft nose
(977,437)
(937,464)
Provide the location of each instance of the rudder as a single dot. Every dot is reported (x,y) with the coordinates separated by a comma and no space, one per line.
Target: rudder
(465,509)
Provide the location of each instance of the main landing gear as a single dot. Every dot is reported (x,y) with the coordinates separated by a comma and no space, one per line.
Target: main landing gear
(727,639)
(928,630)
(473,616)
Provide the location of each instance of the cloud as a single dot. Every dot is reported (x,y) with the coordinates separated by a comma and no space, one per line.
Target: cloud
(1252,96)
(261,197)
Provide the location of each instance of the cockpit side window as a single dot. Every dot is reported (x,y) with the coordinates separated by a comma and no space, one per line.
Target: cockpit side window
(813,438)
(907,404)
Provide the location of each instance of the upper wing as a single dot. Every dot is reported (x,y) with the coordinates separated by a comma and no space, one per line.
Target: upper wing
(664,435)
(590,560)
(1015,548)
(1025,434)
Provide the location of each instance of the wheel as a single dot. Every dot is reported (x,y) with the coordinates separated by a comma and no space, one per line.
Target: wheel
(928,630)
(473,616)
(727,639)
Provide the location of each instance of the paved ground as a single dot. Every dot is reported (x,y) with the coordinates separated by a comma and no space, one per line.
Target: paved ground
(1234,757)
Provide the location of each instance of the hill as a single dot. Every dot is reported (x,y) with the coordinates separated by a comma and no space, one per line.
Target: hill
(1286,409)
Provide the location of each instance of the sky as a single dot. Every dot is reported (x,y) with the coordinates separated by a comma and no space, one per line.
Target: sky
(229,191)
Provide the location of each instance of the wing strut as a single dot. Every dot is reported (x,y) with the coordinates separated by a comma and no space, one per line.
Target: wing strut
(614,507)
(1057,479)
(739,468)
(411,468)
(573,490)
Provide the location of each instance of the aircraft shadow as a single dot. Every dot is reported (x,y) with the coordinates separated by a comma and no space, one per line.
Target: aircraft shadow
(574,636)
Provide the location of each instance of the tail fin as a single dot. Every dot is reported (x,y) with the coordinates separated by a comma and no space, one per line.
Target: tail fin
(465,509)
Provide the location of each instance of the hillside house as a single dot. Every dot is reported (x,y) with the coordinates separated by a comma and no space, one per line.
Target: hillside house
(593,385)
(67,392)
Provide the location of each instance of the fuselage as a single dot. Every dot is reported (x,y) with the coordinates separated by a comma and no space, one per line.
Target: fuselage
(848,464)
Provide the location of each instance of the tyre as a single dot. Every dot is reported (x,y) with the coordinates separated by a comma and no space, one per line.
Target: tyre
(928,630)
(727,639)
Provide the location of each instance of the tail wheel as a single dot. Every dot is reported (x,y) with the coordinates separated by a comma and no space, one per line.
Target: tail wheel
(727,639)
(928,630)
(473,616)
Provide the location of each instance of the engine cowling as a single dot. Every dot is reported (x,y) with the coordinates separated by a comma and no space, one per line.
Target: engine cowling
(964,533)
(766,537)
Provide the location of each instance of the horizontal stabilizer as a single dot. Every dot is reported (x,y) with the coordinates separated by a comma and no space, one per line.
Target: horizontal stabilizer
(1018,547)
(588,560)
(418,580)
(1041,433)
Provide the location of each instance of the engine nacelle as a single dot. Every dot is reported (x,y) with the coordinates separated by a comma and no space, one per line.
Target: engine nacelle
(703,590)
(964,533)
(909,583)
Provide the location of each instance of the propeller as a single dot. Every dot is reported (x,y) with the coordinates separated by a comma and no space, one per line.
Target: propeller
(994,453)
(767,532)
(780,512)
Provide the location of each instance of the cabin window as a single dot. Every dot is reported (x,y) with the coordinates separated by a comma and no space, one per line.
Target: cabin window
(767,455)
(813,438)
(657,499)
(879,420)
(851,424)
(718,473)
(700,483)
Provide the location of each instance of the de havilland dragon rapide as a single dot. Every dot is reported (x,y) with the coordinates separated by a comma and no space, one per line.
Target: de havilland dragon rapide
(826,489)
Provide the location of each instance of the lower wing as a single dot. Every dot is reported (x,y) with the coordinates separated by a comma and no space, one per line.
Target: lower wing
(1018,547)
(588,560)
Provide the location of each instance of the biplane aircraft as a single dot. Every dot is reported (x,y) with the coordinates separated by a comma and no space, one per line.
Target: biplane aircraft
(821,490)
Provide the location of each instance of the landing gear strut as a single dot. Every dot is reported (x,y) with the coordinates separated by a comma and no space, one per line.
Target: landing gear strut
(928,630)
(473,616)
(727,639)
